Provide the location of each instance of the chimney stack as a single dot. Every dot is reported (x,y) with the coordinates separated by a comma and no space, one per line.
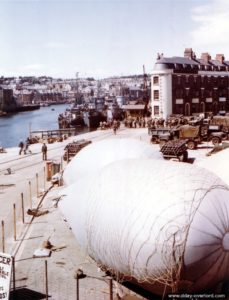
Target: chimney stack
(205,57)
(188,53)
(220,58)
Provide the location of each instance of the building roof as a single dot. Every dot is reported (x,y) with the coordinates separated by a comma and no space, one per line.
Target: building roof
(177,60)
(193,64)
(180,64)
(217,63)
(203,62)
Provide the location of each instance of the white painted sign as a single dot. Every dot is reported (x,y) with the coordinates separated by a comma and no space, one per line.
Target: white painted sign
(5,275)
(179,101)
(222,112)
(195,100)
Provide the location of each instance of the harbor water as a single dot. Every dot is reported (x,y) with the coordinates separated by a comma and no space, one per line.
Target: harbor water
(16,127)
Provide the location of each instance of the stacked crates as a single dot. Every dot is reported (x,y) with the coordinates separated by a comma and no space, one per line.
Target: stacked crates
(73,148)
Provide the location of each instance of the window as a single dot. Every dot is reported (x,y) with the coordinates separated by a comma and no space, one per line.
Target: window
(202,92)
(187,92)
(156,94)
(195,108)
(179,93)
(222,92)
(155,80)
(156,110)
(196,93)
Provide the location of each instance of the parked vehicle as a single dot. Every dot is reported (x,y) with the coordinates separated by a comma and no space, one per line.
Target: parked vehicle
(161,135)
(222,121)
(213,133)
(192,135)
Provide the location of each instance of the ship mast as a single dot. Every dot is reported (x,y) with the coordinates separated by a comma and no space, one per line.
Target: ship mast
(77,88)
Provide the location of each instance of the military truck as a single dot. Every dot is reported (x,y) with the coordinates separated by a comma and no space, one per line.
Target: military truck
(196,134)
(222,122)
(161,135)
(213,133)
(185,132)
(192,135)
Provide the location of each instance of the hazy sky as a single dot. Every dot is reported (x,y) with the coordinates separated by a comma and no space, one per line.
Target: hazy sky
(101,38)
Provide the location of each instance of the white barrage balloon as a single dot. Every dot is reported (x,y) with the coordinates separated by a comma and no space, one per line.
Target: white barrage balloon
(97,155)
(216,163)
(158,223)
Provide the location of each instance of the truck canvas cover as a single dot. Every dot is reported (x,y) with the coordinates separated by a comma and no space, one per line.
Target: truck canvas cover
(220,120)
(187,131)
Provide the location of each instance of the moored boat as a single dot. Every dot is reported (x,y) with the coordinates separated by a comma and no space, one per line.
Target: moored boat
(72,117)
(92,118)
(27,107)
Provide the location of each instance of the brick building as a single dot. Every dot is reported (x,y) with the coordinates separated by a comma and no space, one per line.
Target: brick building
(7,100)
(189,85)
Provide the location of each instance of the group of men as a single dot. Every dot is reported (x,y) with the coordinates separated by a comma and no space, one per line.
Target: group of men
(24,148)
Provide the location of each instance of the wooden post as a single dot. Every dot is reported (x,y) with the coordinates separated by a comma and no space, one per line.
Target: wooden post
(77,288)
(37,185)
(30,130)
(3,237)
(22,208)
(111,288)
(46,280)
(14,274)
(61,163)
(44,179)
(30,194)
(15,229)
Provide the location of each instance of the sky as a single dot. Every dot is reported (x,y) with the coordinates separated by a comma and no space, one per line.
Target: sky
(102,38)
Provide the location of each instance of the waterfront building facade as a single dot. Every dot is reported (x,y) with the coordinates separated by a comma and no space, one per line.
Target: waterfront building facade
(7,100)
(189,85)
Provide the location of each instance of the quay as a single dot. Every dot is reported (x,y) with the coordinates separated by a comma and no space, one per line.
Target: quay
(53,275)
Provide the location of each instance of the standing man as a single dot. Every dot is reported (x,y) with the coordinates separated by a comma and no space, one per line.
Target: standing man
(26,146)
(115,127)
(21,146)
(44,151)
